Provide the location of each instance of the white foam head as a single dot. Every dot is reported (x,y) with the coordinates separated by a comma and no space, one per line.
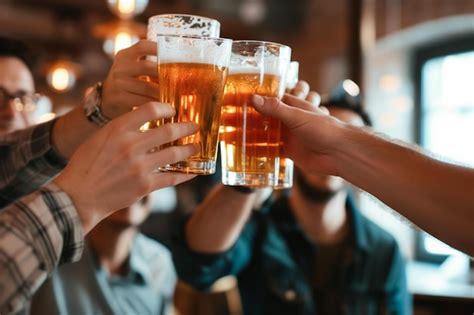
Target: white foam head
(180,49)
(182,24)
(259,57)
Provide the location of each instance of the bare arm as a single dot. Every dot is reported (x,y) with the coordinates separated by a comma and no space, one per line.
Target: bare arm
(436,196)
(218,221)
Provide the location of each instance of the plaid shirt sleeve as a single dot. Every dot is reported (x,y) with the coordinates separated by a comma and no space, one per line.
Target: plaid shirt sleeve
(27,161)
(37,233)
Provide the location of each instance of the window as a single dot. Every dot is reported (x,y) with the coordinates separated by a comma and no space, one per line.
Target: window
(445,79)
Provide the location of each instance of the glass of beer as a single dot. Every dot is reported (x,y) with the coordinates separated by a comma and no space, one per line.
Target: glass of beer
(192,72)
(182,24)
(250,143)
(285,173)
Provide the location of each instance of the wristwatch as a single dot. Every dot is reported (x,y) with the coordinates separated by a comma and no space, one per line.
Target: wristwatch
(92,102)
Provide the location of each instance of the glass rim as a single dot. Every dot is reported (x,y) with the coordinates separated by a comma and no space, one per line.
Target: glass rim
(220,39)
(261,42)
(170,15)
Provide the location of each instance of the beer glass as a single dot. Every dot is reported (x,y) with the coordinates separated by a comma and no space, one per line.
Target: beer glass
(192,72)
(182,24)
(292,75)
(285,173)
(250,143)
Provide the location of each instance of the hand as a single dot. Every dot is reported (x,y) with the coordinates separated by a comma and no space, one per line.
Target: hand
(311,137)
(123,89)
(302,91)
(115,167)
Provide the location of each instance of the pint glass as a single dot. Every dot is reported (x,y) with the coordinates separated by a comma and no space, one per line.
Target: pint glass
(192,72)
(182,24)
(251,143)
(285,173)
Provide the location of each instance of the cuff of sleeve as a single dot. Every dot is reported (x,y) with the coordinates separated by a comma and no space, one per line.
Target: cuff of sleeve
(67,220)
(41,138)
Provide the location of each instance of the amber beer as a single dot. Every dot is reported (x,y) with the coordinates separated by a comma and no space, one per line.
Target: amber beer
(192,72)
(251,143)
(195,91)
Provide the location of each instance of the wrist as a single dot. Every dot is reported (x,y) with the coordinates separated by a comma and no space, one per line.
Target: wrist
(86,213)
(348,148)
(70,131)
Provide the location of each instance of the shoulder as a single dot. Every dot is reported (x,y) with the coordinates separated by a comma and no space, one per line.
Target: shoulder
(381,242)
(156,260)
(151,250)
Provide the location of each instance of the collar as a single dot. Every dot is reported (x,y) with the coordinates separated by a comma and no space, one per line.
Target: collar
(138,271)
(281,213)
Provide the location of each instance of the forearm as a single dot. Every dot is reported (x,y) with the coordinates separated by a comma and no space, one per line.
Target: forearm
(37,233)
(28,160)
(218,221)
(71,130)
(435,196)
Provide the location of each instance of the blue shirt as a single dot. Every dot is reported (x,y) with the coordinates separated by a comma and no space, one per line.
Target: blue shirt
(85,288)
(275,262)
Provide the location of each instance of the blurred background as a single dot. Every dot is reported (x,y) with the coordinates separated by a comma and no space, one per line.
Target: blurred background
(413,61)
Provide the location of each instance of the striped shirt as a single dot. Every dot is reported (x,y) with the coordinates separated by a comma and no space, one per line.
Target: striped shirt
(39,231)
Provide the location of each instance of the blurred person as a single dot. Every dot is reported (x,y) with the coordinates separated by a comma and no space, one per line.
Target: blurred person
(435,195)
(121,272)
(16,87)
(44,226)
(30,158)
(310,251)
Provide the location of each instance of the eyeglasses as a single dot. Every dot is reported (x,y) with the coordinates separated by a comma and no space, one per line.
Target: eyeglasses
(21,101)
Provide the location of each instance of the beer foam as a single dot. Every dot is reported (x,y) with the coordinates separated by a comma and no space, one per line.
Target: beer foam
(182,24)
(178,49)
(270,65)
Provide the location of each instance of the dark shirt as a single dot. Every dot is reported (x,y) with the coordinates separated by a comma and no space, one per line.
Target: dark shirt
(275,264)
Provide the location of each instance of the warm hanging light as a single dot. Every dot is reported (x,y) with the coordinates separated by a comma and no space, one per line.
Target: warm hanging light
(119,35)
(127,9)
(119,41)
(61,76)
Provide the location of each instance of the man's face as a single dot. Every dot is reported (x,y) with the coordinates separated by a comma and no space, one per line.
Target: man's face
(134,215)
(15,79)
(322,187)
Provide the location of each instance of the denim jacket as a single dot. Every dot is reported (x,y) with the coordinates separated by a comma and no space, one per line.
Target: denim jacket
(273,261)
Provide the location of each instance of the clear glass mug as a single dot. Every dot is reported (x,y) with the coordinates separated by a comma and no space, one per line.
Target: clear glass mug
(192,72)
(285,173)
(250,143)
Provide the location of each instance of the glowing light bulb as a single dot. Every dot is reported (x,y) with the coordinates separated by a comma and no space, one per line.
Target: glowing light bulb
(60,79)
(127,9)
(351,87)
(122,41)
(126,6)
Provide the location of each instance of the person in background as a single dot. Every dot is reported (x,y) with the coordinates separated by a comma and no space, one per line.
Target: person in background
(45,149)
(310,251)
(121,272)
(42,223)
(435,195)
(17,88)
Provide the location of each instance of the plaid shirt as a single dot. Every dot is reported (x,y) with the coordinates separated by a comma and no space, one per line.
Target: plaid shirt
(38,231)
(27,161)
